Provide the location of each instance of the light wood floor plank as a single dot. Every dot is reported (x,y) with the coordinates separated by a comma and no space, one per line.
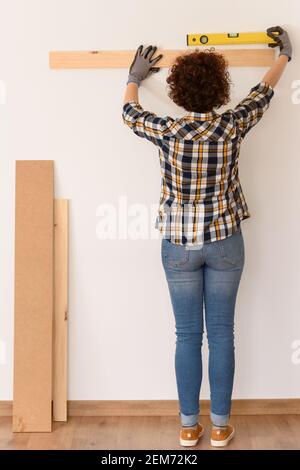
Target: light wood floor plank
(273,432)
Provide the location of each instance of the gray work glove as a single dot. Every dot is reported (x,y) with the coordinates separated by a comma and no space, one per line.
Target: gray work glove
(282,39)
(143,64)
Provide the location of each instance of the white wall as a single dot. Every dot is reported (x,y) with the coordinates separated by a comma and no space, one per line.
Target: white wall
(121,337)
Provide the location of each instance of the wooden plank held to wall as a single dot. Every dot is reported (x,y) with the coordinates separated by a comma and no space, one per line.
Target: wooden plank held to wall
(60,317)
(122,59)
(32,410)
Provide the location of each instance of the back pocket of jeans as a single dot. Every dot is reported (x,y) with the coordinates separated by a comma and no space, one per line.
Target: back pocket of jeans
(232,249)
(174,255)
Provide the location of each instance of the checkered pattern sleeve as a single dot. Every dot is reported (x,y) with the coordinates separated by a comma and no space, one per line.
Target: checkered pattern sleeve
(251,109)
(145,124)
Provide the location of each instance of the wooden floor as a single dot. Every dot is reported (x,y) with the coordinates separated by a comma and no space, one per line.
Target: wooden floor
(133,433)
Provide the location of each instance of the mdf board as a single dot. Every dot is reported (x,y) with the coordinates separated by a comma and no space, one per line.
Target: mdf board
(60,316)
(32,406)
(122,59)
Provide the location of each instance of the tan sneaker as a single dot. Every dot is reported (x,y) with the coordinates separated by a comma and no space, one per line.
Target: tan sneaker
(190,436)
(221,437)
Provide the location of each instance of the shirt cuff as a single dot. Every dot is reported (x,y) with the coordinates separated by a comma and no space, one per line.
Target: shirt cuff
(265,88)
(131,105)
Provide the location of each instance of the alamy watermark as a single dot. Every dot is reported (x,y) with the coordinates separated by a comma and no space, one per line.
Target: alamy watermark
(123,221)
(296,352)
(139,221)
(296,92)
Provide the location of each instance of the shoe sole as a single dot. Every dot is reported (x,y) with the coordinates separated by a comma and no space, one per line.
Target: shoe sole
(223,443)
(189,443)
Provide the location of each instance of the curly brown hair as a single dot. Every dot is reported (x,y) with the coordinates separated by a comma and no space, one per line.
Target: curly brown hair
(199,81)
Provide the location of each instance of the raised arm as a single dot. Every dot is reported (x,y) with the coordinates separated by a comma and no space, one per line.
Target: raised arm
(142,66)
(131,93)
(143,123)
(285,55)
(251,109)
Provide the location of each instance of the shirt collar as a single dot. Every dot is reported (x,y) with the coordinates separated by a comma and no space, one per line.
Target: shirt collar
(193,116)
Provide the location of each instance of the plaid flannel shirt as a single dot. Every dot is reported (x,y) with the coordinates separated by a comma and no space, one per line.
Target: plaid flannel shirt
(201,197)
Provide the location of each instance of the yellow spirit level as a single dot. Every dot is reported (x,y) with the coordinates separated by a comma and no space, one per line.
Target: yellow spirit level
(209,39)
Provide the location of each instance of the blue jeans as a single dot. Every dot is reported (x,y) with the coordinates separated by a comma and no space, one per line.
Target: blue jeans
(210,276)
